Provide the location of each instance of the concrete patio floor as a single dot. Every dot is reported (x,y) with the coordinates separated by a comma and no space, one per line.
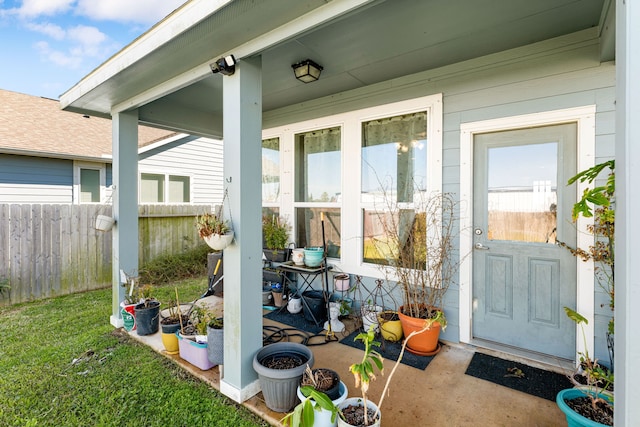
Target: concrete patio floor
(441,394)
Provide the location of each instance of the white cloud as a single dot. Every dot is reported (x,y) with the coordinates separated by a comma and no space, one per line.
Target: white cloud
(57,57)
(138,11)
(34,8)
(78,45)
(90,40)
(52,30)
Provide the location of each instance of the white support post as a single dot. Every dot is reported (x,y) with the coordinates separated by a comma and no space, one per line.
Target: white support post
(627,295)
(125,205)
(242,111)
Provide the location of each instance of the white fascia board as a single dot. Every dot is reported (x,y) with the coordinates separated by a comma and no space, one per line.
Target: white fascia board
(179,21)
(292,28)
(49,155)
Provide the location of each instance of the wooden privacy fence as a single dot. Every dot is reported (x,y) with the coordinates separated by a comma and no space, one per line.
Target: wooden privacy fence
(49,250)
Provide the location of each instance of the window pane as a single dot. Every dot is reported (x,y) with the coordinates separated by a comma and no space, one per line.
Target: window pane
(271,170)
(522,192)
(382,242)
(309,229)
(318,166)
(394,171)
(179,189)
(89,186)
(270,212)
(151,188)
(394,158)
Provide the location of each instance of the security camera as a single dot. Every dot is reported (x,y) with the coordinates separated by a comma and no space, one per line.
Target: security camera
(225,66)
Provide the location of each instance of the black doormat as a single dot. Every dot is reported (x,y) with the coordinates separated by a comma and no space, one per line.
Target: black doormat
(517,376)
(296,320)
(390,350)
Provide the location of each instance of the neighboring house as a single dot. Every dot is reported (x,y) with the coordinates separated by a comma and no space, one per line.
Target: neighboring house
(487,100)
(48,155)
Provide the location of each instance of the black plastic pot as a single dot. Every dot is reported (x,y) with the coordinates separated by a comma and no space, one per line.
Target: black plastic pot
(314,307)
(147,318)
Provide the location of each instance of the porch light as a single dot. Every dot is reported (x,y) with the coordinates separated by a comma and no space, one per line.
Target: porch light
(307,71)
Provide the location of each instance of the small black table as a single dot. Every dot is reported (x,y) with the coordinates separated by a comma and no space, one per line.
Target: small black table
(308,275)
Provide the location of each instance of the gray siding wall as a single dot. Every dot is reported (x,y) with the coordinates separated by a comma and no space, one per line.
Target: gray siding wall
(200,158)
(26,179)
(554,74)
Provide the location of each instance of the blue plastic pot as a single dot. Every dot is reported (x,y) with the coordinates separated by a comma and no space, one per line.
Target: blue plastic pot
(573,418)
(313,256)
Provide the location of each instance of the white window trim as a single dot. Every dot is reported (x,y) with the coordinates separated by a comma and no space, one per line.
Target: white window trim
(166,175)
(351,141)
(586,122)
(77,166)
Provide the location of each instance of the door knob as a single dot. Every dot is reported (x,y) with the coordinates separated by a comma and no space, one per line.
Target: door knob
(481,246)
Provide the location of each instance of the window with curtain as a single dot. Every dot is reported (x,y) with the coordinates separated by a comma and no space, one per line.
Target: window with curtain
(394,181)
(318,188)
(270,170)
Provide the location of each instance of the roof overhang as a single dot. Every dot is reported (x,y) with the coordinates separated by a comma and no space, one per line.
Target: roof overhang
(166,72)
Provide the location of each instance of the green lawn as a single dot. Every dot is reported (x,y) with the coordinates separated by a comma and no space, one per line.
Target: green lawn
(63,364)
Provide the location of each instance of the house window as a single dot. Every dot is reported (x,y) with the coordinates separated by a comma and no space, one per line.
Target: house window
(88,182)
(158,188)
(89,185)
(342,168)
(318,186)
(151,188)
(179,189)
(394,181)
(271,177)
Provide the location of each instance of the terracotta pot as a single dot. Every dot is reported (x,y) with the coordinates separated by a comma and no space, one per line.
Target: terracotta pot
(425,343)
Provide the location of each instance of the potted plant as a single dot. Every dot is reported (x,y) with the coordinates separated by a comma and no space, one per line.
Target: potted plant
(390,325)
(215,340)
(280,367)
(215,231)
(418,247)
(589,403)
(192,338)
(170,323)
(275,233)
(319,393)
(127,306)
(147,312)
(352,411)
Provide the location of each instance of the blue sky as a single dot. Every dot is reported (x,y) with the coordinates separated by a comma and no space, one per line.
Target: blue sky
(47,46)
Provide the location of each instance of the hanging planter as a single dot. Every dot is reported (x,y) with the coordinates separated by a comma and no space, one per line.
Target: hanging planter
(214,230)
(219,242)
(104,223)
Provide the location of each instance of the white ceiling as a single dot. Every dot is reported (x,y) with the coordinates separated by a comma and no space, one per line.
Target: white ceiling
(377,41)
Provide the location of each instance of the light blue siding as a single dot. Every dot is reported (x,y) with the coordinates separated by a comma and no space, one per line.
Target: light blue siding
(26,179)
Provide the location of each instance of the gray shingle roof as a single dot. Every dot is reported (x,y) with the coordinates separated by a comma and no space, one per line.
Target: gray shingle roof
(37,126)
